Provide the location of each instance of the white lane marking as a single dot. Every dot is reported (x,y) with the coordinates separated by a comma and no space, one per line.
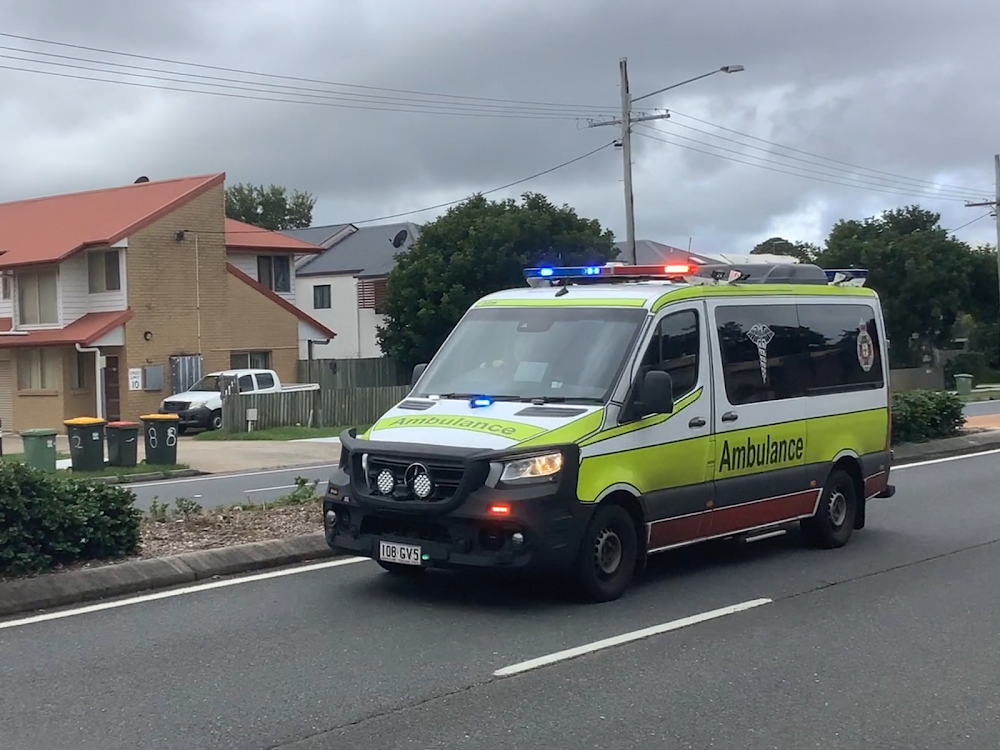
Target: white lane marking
(237,475)
(572,653)
(194,589)
(933,461)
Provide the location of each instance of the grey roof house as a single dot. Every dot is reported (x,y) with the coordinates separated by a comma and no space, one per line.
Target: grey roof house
(347,282)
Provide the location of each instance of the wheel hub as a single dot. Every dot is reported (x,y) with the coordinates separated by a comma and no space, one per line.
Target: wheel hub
(608,552)
(838,508)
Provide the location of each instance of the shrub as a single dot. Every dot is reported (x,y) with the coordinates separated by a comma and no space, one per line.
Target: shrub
(48,520)
(918,416)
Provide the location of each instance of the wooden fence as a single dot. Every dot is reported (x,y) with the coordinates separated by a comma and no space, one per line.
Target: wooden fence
(337,407)
(373,372)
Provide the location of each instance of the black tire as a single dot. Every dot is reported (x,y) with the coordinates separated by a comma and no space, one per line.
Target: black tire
(608,555)
(215,421)
(402,570)
(833,523)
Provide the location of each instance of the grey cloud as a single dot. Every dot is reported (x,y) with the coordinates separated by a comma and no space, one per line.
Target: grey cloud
(897,86)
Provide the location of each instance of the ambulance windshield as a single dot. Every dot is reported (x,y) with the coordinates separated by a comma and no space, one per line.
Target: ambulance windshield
(551,353)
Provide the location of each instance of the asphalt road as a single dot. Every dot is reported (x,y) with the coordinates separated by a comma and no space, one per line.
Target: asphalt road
(982,408)
(215,490)
(889,642)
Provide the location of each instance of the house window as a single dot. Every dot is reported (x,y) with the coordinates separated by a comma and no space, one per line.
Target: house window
(322,299)
(275,272)
(104,270)
(80,372)
(38,370)
(371,294)
(250,360)
(37,298)
(6,285)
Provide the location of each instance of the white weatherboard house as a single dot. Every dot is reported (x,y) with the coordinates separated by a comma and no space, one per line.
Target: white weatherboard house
(344,286)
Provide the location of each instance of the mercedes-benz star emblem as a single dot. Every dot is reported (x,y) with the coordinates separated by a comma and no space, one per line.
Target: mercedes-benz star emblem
(418,479)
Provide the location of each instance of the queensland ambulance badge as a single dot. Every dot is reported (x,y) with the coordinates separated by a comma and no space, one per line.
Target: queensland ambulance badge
(761,336)
(866,347)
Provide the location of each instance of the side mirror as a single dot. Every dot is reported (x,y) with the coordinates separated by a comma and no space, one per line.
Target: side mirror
(417,372)
(657,394)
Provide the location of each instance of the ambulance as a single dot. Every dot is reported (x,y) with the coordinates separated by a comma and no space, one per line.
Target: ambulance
(602,414)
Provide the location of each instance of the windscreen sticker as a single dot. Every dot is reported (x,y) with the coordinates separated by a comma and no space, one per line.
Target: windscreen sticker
(499,427)
(866,347)
(761,336)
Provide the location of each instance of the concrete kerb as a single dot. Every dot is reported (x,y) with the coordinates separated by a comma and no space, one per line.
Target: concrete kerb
(52,590)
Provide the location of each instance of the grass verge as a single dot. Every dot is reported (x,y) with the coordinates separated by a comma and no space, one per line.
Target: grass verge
(121,471)
(275,433)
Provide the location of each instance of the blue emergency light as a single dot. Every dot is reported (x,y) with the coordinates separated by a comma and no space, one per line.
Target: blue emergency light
(548,272)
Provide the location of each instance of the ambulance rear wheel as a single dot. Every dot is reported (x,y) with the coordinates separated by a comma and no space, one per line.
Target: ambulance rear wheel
(607,556)
(833,523)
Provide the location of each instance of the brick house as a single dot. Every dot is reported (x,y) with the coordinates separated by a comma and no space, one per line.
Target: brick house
(113,299)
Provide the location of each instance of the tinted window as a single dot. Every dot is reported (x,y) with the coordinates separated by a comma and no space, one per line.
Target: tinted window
(265,380)
(762,353)
(674,350)
(843,347)
(246,383)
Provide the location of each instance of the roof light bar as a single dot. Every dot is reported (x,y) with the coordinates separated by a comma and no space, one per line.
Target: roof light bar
(671,271)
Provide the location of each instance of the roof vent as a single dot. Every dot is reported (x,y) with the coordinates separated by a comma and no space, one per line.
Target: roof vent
(399,239)
(141,180)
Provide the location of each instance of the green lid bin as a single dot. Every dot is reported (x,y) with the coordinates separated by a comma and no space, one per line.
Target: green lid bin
(963,384)
(160,437)
(123,443)
(86,443)
(40,448)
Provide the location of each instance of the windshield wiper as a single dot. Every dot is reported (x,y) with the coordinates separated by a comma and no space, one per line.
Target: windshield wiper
(466,396)
(561,399)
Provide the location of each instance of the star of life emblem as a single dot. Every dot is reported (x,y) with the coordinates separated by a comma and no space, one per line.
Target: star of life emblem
(761,336)
(866,347)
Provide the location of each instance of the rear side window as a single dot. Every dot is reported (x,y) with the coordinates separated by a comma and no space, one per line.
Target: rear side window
(843,346)
(265,380)
(762,353)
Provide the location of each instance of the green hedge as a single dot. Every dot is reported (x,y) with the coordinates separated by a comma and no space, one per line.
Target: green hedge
(48,520)
(918,416)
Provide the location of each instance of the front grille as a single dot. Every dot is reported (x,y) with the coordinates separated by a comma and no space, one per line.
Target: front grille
(175,405)
(446,477)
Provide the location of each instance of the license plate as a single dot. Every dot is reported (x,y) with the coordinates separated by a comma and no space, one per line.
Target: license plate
(404,554)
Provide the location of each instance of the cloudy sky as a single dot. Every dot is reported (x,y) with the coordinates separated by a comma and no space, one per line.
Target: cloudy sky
(846,107)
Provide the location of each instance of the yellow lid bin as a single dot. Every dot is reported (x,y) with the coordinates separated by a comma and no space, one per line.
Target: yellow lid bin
(160,438)
(84,421)
(86,443)
(159,417)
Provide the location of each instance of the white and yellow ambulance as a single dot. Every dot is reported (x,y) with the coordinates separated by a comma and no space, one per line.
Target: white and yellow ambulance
(601,414)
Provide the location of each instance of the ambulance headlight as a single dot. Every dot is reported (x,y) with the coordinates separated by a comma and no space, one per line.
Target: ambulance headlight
(545,466)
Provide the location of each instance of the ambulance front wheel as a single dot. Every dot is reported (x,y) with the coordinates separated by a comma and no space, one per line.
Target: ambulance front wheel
(607,557)
(833,523)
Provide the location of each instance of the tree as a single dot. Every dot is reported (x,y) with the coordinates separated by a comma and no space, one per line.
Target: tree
(478,247)
(806,252)
(920,272)
(269,207)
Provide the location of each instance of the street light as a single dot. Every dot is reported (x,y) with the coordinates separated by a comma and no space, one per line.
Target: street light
(626,122)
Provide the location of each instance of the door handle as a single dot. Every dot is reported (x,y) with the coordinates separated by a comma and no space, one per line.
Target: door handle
(696,422)
(729,416)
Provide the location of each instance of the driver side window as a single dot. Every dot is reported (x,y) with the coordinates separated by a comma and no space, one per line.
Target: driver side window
(674,349)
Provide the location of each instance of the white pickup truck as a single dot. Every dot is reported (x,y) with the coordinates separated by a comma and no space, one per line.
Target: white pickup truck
(201,405)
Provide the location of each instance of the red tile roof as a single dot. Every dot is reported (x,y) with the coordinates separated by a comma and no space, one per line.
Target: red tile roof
(46,230)
(84,330)
(280,301)
(243,237)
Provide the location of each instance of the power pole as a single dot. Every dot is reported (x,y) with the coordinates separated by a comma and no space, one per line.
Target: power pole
(995,204)
(625,123)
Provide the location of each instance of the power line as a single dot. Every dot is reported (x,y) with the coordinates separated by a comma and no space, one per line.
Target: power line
(793,174)
(534,176)
(818,156)
(901,181)
(968,223)
(306,92)
(922,191)
(302,79)
(284,100)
